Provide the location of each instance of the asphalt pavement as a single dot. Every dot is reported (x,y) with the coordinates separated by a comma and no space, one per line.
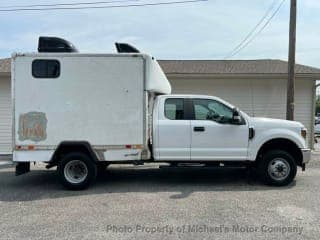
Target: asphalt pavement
(150,203)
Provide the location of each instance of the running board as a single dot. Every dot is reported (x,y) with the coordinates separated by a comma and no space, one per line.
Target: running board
(199,166)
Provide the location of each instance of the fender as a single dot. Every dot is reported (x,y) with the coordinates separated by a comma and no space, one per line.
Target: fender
(266,135)
(73,146)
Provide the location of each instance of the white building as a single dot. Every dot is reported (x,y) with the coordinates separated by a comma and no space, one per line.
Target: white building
(5,106)
(257,87)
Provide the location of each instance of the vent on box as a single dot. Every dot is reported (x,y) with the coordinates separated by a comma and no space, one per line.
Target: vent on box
(126,48)
(54,44)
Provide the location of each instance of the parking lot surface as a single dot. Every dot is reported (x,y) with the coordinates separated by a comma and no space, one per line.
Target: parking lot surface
(150,203)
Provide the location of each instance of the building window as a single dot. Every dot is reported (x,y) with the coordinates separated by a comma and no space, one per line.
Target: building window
(45,68)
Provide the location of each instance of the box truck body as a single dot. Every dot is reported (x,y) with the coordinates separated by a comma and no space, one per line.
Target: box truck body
(101,99)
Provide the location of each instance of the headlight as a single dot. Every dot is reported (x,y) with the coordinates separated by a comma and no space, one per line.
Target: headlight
(304,133)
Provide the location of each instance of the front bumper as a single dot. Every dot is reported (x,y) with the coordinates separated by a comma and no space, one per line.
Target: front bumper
(306,155)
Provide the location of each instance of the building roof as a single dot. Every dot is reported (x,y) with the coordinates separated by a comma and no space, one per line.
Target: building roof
(232,67)
(216,67)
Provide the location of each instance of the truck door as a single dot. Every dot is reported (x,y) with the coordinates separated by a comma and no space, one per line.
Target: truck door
(213,135)
(174,137)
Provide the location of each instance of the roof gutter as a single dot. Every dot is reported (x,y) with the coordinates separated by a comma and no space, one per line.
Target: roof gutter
(306,76)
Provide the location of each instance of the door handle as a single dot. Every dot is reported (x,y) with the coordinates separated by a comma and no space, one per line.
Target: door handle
(198,129)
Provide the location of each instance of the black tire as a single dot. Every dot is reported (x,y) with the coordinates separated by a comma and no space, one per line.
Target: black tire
(280,160)
(102,168)
(80,162)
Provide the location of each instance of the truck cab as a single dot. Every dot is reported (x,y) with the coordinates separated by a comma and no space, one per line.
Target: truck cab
(199,128)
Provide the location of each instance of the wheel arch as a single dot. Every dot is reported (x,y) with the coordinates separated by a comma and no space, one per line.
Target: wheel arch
(281,144)
(67,147)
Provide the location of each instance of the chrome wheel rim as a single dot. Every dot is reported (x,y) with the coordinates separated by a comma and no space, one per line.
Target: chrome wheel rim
(279,169)
(75,171)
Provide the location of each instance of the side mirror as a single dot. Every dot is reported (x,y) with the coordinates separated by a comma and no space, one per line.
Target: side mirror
(236,118)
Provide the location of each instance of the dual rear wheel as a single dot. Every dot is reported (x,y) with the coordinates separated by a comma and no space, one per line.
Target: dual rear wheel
(77,171)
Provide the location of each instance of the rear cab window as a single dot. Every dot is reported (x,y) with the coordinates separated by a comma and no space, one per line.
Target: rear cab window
(174,108)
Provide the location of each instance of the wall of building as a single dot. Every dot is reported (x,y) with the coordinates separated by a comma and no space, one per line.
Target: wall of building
(5,115)
(258,97)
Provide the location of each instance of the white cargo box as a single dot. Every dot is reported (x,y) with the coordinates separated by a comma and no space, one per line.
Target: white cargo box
(99,98)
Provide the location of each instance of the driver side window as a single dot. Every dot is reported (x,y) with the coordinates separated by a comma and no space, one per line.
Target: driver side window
(207,109)
(200,112)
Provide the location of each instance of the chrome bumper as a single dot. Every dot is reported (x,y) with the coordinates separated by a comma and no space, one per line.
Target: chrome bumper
(306,155)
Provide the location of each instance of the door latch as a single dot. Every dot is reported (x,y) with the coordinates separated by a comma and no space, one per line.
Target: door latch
(199,129)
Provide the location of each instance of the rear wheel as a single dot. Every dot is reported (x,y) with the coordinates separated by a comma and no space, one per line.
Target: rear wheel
(277,168)
(77,171)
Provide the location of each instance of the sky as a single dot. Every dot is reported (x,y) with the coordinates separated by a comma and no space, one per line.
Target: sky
(202,30)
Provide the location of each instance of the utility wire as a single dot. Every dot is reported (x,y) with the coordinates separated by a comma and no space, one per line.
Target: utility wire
(100,7)
(238,49)
(253,30)
(67,4)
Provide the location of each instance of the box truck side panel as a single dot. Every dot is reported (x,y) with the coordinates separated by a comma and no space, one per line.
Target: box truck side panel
(99,99)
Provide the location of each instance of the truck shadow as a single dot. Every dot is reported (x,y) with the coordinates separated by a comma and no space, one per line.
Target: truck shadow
(43,184)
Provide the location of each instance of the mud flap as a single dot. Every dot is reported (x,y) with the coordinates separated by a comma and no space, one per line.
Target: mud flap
(22,168)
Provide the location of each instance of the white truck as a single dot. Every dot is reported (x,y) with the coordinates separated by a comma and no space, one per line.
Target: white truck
(81,112)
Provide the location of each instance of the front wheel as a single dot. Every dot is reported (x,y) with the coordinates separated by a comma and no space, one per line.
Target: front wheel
(77,171)
(277,168)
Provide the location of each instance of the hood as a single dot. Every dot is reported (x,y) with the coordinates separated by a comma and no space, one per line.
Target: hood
(275,123)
